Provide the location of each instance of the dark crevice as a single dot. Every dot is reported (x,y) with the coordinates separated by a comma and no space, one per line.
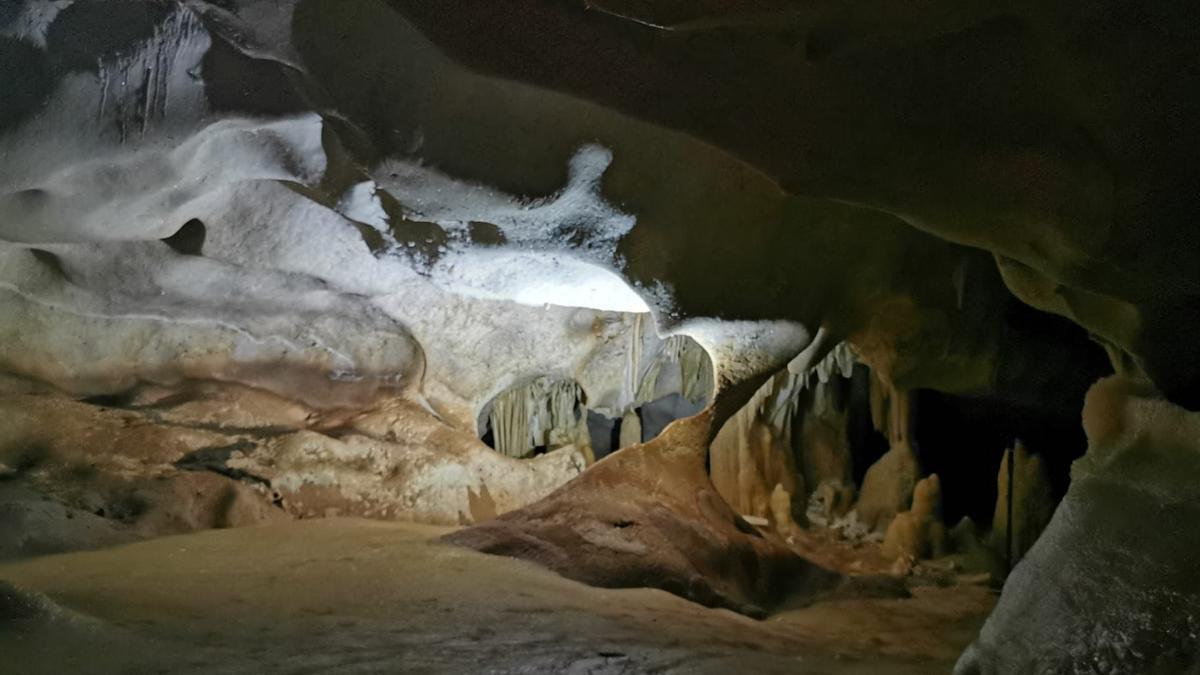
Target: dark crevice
(50,261)
(118,401)
(215,460)
(189,240)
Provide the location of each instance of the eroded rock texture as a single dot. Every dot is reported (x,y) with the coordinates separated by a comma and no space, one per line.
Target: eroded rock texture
(649,517)
(1056,138)
(1111,585)
(385,214)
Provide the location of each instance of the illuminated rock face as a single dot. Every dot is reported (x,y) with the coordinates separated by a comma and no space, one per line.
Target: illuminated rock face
(186,218)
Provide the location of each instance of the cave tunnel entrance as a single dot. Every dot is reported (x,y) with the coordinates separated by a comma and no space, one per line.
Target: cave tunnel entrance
(963,441)
(535,417)
(867,444)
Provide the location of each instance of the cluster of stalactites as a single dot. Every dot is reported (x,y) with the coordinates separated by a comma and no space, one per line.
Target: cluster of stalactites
(778,400)
(753,463)
(688,365)
(544,412)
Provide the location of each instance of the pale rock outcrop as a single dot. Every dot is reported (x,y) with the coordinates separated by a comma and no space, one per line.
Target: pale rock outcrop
(918,533)
(1110,586)
(162,461)
(888,486)
(771,442)
(1032,507)
(399,462)
(631,429)
(83,475)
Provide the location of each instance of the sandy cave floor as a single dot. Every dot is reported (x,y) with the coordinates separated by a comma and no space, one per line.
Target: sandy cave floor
(356,596)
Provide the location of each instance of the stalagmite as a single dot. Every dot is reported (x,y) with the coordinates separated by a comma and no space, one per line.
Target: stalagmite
(631,429)
(1032,507)
(790,434)
(919,532)
(887,488)
(781,511)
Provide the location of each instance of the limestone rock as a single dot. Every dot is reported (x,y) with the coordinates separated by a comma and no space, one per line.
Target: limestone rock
(649,517)
(87,475)
(781,511)
(1110,586)
(748,461)
(399,462)
(1033,502)
(830,501)
(543,413)
(887,488)
(631,429)
(919,533)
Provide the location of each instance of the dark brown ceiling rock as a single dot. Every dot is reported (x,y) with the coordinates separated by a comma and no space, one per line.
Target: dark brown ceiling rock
(1058,137)
(722,234)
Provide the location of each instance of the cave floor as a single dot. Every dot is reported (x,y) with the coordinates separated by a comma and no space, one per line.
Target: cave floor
(354,596)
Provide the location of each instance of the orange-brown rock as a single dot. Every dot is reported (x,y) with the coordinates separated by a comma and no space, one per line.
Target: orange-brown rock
(648,516)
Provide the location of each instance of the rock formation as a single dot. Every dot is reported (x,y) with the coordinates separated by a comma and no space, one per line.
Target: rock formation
(919,532)
(769,444)
(1110,585)
(261,259)
(541,413)
(649,515)
(622,525)
(1032,502)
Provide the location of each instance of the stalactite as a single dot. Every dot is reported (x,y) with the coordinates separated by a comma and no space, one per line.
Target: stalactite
(888,485)
(891,411)
(510,424)
(542,413)
(633,362)
(691,366)
(753,453)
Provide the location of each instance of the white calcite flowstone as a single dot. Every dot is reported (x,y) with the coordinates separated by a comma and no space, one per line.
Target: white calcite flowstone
(170,232)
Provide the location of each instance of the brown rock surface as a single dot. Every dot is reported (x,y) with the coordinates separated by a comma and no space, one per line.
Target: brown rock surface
(648,516)
(919,532)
